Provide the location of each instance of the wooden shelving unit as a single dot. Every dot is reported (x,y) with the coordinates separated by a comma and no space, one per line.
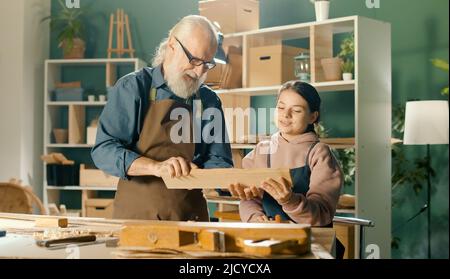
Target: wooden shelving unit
(77,111)
(371,89)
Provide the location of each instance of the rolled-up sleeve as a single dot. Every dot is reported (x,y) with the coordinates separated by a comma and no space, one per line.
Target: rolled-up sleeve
(117,131)
(218,154)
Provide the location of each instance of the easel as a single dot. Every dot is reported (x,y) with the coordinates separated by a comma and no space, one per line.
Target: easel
(122,24)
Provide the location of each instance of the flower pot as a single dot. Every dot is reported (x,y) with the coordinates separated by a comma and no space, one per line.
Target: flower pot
(61,135)
(77,51)
(332,68)
(322,9)
(347,76)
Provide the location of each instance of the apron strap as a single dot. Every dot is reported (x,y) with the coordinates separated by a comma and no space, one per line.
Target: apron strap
(153,93)
(309,151)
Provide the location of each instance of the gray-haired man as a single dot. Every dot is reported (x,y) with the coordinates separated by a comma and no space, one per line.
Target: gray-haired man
(134,134)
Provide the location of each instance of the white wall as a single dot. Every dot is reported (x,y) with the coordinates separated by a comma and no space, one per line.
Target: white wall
(24,47)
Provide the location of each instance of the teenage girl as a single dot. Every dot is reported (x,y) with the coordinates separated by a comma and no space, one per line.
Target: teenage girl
(316,176)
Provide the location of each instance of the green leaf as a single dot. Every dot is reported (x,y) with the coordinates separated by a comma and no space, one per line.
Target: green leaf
(441,64)
(444,91)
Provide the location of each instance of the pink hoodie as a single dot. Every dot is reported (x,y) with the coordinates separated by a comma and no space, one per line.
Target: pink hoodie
(319,205)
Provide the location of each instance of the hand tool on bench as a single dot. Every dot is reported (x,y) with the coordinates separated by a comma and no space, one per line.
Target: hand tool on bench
(67,240)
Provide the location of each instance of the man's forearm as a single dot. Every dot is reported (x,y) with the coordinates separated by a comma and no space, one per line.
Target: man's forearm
(143,166)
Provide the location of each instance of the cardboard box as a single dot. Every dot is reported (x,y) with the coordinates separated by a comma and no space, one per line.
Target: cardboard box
(99,208)
(271,65)
(232,15)
(96,178)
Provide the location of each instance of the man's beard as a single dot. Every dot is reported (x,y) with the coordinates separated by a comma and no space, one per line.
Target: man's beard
(179,85)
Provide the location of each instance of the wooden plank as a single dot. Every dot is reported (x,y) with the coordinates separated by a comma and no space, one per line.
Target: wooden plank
(267,247)
(222,178)
(77,129)
(165,234)
(229,215)
(51,222)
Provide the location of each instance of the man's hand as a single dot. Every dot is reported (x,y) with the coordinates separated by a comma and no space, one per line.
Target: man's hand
(175,167)
(244,192)
(280,190)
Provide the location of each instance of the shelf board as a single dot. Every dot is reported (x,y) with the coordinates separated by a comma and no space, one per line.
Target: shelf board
(297,31)
(81,188)
(96,61)
(272,90)
(82,103)
(336,143)
(67,145)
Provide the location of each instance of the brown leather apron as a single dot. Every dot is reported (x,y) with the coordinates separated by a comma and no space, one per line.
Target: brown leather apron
(147,197)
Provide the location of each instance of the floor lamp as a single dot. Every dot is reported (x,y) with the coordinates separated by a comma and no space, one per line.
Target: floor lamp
(426,123)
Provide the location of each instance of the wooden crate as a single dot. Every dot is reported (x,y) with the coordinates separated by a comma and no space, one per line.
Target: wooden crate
(96,178)
(99,208)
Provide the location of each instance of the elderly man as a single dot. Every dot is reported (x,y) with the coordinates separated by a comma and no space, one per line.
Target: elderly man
(134,135)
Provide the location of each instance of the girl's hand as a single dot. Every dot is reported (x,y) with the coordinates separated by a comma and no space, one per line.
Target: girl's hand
(280,190)
(259,219)
(244,192)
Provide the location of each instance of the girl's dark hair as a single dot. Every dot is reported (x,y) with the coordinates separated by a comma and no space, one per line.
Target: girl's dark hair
(309,93)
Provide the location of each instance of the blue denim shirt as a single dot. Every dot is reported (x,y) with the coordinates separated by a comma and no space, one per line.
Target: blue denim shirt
(121,122)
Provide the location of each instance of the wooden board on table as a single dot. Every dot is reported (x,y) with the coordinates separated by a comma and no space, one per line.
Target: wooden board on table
(222,178)
(178,235)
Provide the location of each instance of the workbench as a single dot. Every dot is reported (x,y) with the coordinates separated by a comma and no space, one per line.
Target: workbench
(19,241)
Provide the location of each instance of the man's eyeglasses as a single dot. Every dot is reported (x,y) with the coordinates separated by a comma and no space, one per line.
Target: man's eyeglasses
(196,61)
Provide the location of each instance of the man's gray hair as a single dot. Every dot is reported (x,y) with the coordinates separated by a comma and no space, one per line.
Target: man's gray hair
(182,30)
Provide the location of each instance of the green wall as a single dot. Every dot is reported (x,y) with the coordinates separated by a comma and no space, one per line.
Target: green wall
(419,33)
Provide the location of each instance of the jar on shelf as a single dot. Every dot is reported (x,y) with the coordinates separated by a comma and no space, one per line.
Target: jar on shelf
(302,67)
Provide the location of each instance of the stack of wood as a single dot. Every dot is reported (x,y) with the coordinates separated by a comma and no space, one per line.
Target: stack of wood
(57,158)
(227,76)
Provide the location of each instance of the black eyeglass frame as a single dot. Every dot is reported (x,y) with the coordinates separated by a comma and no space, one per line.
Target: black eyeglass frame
(195,61)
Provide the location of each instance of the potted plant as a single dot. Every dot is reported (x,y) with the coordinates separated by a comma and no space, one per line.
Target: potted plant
(347,70)
(70,26)
(347,54)
(322,9)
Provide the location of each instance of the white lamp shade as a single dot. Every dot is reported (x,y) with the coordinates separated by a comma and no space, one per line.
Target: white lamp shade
(426,122)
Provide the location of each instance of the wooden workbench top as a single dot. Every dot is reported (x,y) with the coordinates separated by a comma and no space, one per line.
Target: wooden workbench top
(20,243)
